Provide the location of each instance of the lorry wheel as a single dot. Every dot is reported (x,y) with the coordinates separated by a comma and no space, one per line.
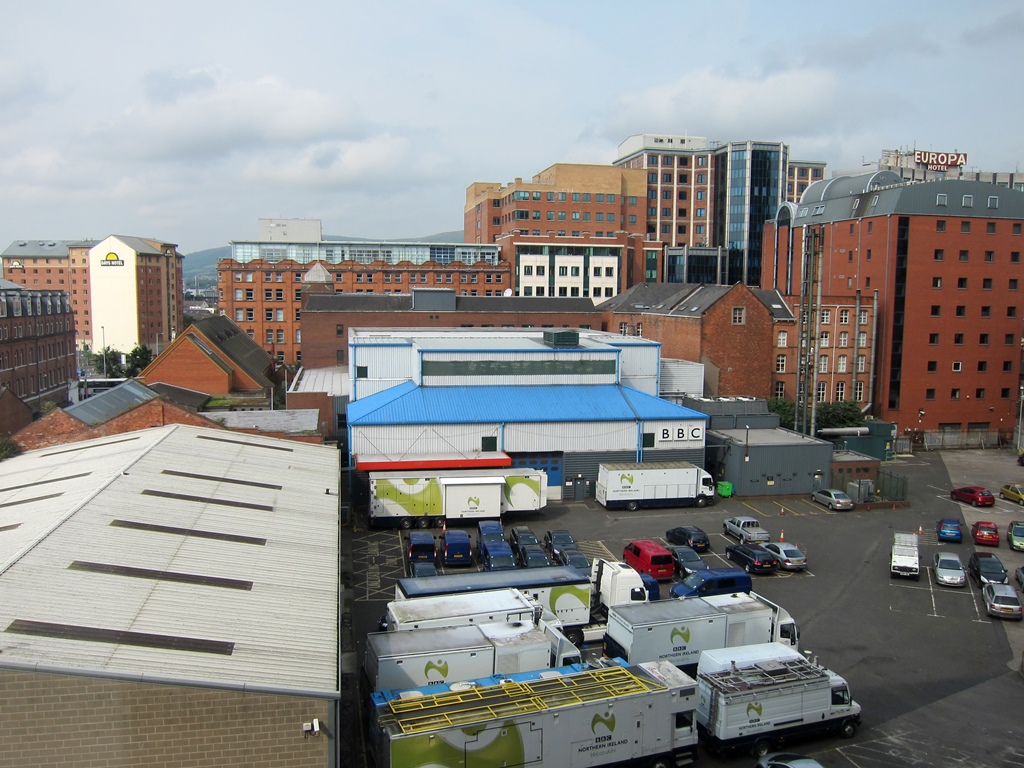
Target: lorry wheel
(761,748)
(439,523)
(847,729)
(406,523)
(632,506)
(575,637)
(702,501)
(423,522)
(660,762)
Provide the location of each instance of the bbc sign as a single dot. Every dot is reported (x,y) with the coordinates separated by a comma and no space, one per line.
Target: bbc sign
(680,432)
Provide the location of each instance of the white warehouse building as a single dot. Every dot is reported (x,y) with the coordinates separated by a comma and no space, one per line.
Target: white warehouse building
(561,400)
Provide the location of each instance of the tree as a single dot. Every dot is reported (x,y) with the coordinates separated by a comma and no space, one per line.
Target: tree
(109,364)
(785,409)
(834,415)
(137,360)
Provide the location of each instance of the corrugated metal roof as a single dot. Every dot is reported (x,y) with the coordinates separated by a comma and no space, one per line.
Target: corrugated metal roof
(288,421)
(178,504)
(115,401)
(333,381)
(409,404)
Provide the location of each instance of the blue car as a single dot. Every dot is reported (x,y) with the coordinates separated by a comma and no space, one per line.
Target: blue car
(949,529)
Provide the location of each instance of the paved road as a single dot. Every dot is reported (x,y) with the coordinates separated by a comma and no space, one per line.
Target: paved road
(936,678)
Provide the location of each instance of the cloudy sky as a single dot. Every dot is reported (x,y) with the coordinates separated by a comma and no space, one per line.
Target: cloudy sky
(188,121)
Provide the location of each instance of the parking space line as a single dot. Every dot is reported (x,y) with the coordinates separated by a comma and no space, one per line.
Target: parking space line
(754,509)
(788,510)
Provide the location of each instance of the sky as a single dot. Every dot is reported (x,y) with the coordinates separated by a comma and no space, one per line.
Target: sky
(189,121)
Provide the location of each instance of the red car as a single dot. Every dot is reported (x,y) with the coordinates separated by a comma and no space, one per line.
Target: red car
(984,532)
(974,495)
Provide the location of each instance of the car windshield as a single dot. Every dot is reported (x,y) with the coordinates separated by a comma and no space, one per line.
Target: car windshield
(503,561)
(693,580)
(950,525)
(687,554)
(1017,529)
(990,566)
(840,496)
(561,538)
(949,564)
(525,537)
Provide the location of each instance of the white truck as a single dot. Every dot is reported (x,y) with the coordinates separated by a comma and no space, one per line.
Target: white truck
(429,498)
(905,559)
(614,715)
(761,697)
(635,486)
(500,605)
(411,659)
(579,601)
(680,630)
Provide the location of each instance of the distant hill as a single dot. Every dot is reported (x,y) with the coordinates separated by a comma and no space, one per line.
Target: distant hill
(203,264)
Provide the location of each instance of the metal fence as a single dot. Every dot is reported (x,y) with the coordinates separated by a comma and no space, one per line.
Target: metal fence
(922,440)
(891,486)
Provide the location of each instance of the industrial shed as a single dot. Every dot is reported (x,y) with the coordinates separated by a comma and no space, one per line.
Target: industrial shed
(561,401)
(170,596)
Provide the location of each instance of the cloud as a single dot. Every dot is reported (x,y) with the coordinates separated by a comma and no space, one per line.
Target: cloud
(170,87)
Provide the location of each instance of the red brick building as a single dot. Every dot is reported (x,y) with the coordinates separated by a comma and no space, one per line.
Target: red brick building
(37,344)
(327,317)
(730,330)
(937,267)
(214,356)
(261,286)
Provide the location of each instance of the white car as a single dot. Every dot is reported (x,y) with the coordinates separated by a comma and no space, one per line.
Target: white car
(832,499)
(949,571)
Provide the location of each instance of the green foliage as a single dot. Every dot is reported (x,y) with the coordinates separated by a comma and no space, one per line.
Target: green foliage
(833,415)
(48,405)
(785,409)
(8,449)
(112,369)
(137,360)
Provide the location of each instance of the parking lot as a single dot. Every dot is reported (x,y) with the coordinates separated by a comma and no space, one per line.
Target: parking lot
(936,677)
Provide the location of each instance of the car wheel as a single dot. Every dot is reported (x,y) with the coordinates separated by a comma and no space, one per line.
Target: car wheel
(747,567)
(1021,501)
(632,506)
(830,506)
(848,729)
(974,503)
(1001,496)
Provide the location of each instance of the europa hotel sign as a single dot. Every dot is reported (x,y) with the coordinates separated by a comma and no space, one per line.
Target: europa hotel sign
(940,161)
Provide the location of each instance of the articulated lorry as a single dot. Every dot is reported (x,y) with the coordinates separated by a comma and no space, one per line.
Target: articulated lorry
(761,697)
(653,484)
(613,715)
(499,605)
(430,498)
(579,601)
(679,630)
(905,559)
(411,659)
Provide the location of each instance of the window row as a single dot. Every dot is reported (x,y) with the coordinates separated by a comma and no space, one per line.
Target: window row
(965,255)
(860,364)
(559,197)
(957,366)
(986,283)
(523,215)
(540,270)
(563,291)
(821,391)
(965,224)
(979,393)
(961,311)
(825,339)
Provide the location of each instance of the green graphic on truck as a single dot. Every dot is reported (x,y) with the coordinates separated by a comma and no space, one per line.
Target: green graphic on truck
(522,492)
(503,747)
(682,633)
(626,479)
(441,667)
(608,721)
(414,495)
(755,708)
(576,594)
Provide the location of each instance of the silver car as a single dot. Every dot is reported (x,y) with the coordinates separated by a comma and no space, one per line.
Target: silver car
(787,556)
(832,498)
(949,571)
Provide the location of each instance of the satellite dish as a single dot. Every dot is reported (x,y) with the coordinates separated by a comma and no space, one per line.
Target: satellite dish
(507,292)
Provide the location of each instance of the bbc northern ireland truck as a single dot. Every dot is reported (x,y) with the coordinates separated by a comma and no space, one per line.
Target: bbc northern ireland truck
(498,605)
(653,484)
(430,498)
(411,659)
(578,600)
(905,558)
(758,698)
(680,630)
(613,715)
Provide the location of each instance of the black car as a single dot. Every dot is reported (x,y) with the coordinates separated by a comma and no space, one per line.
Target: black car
(987,568)
(574,558)
(686,560)
(557,540)
(752,558)
(690,536)
(533,556)
(520,536)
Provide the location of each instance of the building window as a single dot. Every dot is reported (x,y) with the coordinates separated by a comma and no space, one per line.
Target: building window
(826,316)
(783,339)
(940,225)
(844,317)
(929,394)
(822,391)
(1011,311)
(957,366)
(780,390)
(965,226)
(823,340)
(954,393)
(861,363)
(933,366)
(940,254)
(958,339)
(780,363)
(936,282)
(961,310)
(862,317)
(840,391)
(844,339)
(623,329)
(823,364)
(841,364)
(933,338)
(982,366)
(985,312)
(739,315)
(858,391)
(1008,366)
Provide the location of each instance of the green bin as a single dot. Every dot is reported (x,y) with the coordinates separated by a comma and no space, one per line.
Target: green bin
(724,489)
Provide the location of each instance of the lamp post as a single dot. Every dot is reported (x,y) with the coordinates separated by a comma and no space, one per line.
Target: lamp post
(1020,415)
(103,351)
(746,445)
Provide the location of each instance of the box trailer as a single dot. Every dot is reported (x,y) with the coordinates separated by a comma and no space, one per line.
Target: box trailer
(431,498)
(653,484)
(680,630)
(614,715)
(411,659)
(761,697)
(500,605)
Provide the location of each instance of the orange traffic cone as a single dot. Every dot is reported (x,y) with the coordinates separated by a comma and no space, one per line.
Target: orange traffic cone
(920,530)
(782,535)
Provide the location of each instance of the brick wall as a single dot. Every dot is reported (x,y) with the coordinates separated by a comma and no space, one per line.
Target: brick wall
(743,354)
(185,365)
(51,721)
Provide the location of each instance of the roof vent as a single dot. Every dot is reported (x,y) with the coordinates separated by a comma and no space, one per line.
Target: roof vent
(562,339)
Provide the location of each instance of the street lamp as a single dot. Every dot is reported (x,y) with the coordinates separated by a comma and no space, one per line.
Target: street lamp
(1020,414)
(103,351)
(746,445)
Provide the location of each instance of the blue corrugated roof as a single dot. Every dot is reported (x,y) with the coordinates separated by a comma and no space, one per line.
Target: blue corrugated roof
(410,404)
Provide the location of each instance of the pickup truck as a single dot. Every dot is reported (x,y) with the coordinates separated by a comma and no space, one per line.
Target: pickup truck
(746,529)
